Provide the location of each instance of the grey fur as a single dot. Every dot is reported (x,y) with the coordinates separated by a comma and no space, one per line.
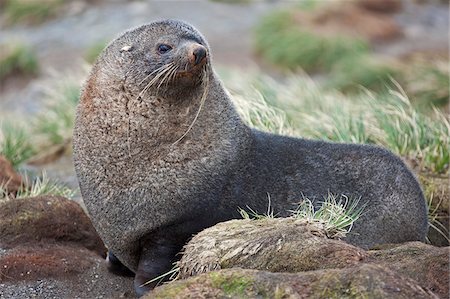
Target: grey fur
(135,181)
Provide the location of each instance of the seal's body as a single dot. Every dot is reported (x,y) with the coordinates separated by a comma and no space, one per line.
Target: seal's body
(161,154)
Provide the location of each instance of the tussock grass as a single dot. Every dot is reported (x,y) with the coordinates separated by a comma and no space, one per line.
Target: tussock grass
(352,73)
(283,43)
(38,187)
(387,119)
(252,214)
(15,144)
(429,82)
(53,126)
(171,275)
(345,60)
(17,58)
(336,214)
(55,123)
(259,114)
(30,11)
(435,218)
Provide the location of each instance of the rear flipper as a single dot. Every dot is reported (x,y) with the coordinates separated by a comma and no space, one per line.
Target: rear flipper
(116,267)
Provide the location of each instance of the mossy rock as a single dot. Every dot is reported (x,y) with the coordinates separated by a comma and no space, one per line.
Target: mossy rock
(291,245)
(363,281)
(277,245)
(428,265)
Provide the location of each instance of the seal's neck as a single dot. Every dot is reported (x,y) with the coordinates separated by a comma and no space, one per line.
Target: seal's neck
(126,125)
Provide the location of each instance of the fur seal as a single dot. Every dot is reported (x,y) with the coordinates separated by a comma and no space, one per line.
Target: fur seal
(161,153)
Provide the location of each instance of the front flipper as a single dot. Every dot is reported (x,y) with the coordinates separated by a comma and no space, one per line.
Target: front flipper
(115,266)
(156,258)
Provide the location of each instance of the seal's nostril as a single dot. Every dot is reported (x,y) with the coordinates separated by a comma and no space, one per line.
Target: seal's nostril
(199,53)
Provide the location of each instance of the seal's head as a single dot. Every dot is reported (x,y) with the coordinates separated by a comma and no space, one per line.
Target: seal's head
(164,58)
(152,77)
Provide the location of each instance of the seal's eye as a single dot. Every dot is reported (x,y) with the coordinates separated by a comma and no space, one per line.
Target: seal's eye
(163,48)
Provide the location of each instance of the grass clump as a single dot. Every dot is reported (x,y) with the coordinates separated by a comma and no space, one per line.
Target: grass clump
(429,82)
(436,218)
(283,43)
(17,58)
(55,124)
(387,119)
(352,73)
(15,144)
(29,11)
(413,134)
(252,214)
(40,186)
(336,213)
(171,275)
(284,39)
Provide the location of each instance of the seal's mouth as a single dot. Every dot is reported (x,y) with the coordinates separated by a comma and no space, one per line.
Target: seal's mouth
(192,72)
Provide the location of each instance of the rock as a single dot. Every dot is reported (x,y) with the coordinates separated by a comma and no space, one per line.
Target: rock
(46,219)
(382,6)
(44,261)
(363,281)
(277,245)
(354,21)
(427,265)
(49,249)
(292,245)
(59,271)
(9,178)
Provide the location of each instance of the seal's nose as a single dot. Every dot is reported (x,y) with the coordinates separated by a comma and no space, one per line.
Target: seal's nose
(199,54)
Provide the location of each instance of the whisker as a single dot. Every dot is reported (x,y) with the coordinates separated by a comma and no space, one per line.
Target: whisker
(166,76)
(160,74)
(155,71)
(202,102)
(172,76)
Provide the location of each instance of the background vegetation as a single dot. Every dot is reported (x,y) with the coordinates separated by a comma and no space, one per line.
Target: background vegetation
(328,81)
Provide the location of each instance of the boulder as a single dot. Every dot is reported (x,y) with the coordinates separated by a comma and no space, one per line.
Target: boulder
(46,219)
(362,281)
(276,245)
